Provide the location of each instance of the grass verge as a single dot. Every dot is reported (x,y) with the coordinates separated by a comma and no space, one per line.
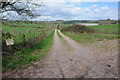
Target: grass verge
(59,35)
(82,34)
(86,38)
(28,55)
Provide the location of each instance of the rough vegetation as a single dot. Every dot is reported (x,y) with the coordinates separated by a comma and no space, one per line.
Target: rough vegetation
(78,29)
(100,33)
(25,56)
(24,37)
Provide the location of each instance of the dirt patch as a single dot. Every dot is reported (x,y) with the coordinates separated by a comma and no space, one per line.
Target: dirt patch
(106,53)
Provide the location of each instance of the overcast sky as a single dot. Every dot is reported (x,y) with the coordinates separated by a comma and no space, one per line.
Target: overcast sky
(77,10)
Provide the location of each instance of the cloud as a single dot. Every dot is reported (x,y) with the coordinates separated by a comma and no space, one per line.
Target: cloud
(78,0)
(94,5)
(43,18)
(54,10)
(105,7)
(68,0)
(96,10)
(69,11)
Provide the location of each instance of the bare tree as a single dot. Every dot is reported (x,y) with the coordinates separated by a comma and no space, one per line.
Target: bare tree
(24,9)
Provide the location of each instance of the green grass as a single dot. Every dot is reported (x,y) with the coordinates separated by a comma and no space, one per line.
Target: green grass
(65,25)
(59,35)
(103,32)
(109,29)
(90,37)
(37,25)
(79,21)
(7,28)
(27,24)
(28,55)
(19,31)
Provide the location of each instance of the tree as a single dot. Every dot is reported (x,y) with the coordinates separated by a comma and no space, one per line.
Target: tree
(24,9)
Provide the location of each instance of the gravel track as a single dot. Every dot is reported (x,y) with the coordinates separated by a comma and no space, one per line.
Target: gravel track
(66,59)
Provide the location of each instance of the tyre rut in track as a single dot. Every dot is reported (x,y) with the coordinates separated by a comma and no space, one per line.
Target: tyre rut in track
(65,60)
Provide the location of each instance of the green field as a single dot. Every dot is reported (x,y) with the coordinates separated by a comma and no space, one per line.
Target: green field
(28,24)
(29,32)
(103,32)
(79,21)
(7,28)
(109,29)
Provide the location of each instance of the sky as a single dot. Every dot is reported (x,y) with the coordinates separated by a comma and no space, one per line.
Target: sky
(76,10)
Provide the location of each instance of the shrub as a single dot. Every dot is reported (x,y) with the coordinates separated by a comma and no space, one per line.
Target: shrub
(78,29)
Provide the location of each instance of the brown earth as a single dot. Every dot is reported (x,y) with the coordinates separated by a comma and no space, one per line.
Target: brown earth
(69,59)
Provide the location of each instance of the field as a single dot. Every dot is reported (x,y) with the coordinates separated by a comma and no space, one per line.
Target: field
(108,29)
(102,32)
(19,31)
(27,24)
(25,34)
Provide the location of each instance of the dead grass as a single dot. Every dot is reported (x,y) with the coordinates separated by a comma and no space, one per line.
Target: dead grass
(78,29)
